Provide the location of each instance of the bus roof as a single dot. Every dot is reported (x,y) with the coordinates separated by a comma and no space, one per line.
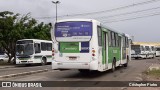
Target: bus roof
(35,40)
(66,20)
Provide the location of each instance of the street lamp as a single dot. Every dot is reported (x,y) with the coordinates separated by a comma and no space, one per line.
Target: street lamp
(56,2)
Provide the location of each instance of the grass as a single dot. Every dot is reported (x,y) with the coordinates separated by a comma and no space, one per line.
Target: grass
(3,63)
(154,73)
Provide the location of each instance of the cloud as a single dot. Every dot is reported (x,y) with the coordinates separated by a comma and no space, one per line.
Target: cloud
(144,29)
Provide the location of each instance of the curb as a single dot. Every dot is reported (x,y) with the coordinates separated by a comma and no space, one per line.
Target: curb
(7,67)
(154,67)
(23,73)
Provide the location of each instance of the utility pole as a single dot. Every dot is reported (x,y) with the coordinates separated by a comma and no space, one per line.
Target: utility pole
(56,2)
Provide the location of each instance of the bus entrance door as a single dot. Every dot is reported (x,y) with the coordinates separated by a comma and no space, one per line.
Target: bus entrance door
(105,50)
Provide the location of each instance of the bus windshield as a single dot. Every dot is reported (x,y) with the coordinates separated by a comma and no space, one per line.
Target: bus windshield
(2,53)
(135,47)
(147,48)
(157,49)
(73,31)
(24,49)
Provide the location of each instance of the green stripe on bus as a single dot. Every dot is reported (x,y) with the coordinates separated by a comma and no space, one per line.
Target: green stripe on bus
(113,52)
(69,47)
(37,57)
(49,56)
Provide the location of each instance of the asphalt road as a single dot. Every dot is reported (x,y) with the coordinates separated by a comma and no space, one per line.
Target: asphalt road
(132,73)
(22,68)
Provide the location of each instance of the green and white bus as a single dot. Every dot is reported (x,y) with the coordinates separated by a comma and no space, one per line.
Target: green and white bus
(32,51)
(85,44)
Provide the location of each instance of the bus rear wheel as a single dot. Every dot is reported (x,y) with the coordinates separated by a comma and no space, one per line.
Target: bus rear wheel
(153,56)
(126,64)
(113,65)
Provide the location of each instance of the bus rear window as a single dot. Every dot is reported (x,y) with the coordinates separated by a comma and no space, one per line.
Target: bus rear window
(73,31)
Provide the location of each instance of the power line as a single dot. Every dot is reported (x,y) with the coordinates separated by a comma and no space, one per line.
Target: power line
(127,13)
(155,14)
(115,9)
(104,11)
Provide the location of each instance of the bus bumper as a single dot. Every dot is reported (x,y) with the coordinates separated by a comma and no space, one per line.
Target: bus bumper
(24,62)
(138,56)
(80,65)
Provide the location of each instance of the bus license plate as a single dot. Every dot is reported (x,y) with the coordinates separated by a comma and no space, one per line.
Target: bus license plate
(72,58)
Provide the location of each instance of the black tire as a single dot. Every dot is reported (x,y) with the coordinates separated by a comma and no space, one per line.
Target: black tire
(27,65)
(1,60)
(146,56)
(44,61)
(83,71)
(113,65)
(126,64)
(153,55)
(136,58)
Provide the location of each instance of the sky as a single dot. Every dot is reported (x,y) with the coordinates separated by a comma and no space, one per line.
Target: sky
(138,18)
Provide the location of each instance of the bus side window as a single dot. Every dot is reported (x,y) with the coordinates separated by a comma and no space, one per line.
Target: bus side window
(127,43)
(43,46)
(109,38)
(49,46)
(99,31)
(124,42)
(117,40)
(113,41)
(37,48)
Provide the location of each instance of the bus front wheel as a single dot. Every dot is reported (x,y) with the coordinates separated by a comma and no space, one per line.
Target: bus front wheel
(43,62)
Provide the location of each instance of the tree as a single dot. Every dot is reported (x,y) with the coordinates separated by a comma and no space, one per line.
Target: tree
(40,31)
(13,27)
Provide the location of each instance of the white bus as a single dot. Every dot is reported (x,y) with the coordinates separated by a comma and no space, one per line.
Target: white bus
(150,51)
(85,44)
(138,51)
(153,51)
(157,51)
(31,51)
(3,56)
(129,46)
(142,51)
